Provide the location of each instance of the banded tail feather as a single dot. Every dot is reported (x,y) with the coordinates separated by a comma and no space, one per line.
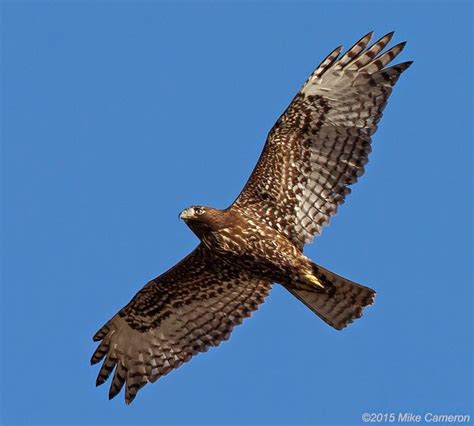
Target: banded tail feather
(341,304)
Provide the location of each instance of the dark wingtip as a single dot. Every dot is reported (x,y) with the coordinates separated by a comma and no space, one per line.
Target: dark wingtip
(99,335)
(113,392)
(367,38)
(402,45)
(403,66)
(387,36)
(129,399)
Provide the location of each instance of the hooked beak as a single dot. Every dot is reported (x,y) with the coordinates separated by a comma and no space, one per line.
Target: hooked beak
(186,214)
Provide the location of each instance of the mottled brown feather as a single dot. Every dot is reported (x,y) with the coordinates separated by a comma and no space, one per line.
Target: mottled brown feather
(321,143)
(188,309)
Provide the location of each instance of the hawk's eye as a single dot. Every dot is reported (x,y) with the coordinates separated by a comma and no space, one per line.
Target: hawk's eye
(198,211)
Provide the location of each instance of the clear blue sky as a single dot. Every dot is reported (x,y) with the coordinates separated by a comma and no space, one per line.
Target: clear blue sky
(116,115)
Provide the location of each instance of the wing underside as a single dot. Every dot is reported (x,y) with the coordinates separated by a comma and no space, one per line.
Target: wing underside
(321,143)
(190,308)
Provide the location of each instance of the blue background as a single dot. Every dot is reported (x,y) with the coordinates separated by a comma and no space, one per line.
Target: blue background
(116,115)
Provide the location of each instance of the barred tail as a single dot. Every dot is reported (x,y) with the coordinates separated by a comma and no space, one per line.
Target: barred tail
(339,306)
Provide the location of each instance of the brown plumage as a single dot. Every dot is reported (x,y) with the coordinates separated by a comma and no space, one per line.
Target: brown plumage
(316,149)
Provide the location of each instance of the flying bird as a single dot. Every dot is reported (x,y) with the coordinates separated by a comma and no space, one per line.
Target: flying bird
(314,152)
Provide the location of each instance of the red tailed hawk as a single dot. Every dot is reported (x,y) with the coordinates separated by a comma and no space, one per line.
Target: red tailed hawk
(316,149)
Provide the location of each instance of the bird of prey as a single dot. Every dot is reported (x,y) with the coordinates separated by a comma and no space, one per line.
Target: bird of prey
(314,152)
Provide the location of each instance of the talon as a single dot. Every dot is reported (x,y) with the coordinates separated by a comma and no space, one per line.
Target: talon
(313,280)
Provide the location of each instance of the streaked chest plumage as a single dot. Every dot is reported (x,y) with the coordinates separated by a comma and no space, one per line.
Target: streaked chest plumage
(254,246)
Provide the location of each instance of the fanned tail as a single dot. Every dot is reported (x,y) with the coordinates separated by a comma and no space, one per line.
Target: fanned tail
(341,304)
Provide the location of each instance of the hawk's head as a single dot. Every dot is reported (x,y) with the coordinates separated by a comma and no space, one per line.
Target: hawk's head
(202,219)
(194,213)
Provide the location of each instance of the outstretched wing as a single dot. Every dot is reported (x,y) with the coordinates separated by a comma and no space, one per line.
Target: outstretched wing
(321,143)
(193,306)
